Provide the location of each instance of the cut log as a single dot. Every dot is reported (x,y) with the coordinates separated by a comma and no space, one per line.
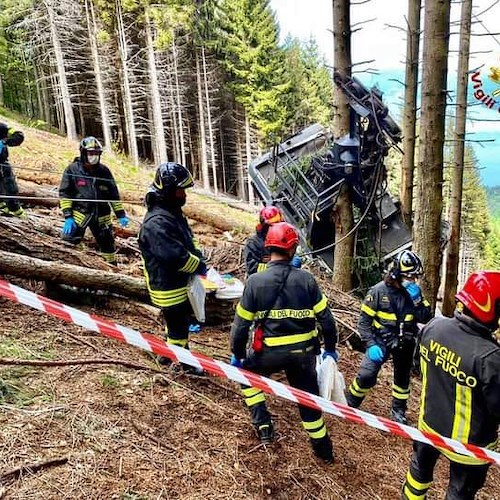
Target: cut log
(55,272)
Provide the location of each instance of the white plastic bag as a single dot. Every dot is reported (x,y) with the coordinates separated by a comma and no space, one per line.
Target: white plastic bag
(196,295)
(330,380)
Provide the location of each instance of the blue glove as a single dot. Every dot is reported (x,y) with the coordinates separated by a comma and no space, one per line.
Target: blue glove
(69,226)
(296,262)
(375,353)
(2,145)
(201,269)
(236,362)
(333,354)
(195,328)
(413,291)
(123,221)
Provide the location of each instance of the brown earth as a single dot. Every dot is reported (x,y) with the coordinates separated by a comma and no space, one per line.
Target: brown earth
(149,432)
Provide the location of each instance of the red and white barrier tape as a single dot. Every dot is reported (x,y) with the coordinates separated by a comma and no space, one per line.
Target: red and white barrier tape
(153,344)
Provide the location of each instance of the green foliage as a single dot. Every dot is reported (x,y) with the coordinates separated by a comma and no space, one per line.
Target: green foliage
(493,195)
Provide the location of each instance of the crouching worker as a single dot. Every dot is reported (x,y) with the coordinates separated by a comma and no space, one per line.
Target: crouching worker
(8,186)
(283,304)
(170,253)
(87,193)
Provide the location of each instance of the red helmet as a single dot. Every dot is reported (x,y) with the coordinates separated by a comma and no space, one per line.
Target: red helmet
(271,215)
(282,235)
(481,296)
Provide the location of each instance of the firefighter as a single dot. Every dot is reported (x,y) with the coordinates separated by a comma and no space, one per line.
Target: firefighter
(460,363)
(283,304)
(255,253)
(388,324)
(170,253)
(8,185)
(83,181)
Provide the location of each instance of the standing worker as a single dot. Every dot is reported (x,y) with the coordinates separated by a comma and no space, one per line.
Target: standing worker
(388,324)
(283,303)
(87,193)
(170,253)
(255,253)
(460,364)
(8,185)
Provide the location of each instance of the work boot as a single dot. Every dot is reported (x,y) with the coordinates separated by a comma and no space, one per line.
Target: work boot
(18,213)
(163,360)
(352,400)
(266,433)
(323,449)
(399,415)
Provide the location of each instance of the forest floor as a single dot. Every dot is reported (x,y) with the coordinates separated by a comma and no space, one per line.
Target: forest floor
(149,432)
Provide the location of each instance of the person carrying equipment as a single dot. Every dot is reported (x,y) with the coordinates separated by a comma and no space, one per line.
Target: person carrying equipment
(255,253)
(87,193)
(8,185)
(170,253)
(460,364)
(283,304)
(388,324)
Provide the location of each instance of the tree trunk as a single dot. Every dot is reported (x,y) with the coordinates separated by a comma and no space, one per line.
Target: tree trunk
(127,95)
(203,135)
(248,151)
(179,106)
(61,71)
(427,227)
(103,106)
(457,174)
(159,143)
(56,272)
(342,212)
(410,110)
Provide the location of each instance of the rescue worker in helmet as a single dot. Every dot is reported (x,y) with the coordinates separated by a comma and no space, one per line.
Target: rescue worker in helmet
(388,325)
(8,186)
(460,364)
(170,253)
(87,193)
(283,303)
(255,254)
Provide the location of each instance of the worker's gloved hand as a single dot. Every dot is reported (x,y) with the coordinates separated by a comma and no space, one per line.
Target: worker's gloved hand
(201,269)
(195,328)
(296,262)
(414,291)
(69,226)
(333,354)
(124,221)
(375,353)
(236,362)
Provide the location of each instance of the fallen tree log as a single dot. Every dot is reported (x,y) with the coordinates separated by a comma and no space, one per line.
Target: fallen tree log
(82,277)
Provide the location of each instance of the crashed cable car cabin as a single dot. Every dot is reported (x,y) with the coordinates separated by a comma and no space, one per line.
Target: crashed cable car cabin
(304,176)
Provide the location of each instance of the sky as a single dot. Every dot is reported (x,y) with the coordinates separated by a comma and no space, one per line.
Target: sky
(383,41)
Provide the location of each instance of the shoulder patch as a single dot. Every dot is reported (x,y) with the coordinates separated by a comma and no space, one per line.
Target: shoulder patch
(385,298)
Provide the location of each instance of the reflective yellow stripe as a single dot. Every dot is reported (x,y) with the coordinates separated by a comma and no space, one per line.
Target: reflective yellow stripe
(117,206)
(289,339)
(191,264)
(65,204)
(318,434)
(11,131)
(243,313)
(313,425)
(423,370)
(321,305)
(426,303)
(416,484)
(463,414)
(261,266)
(180,342)
(387,316)
(104,220)
(453,456)
(164,298)
(358,391)
(258,398)
(109,257)
(196,243)
(400,392)
(409,317)
(250,391)
(377,325)
(368,310)
(286,313)
(79,217)
(409,495)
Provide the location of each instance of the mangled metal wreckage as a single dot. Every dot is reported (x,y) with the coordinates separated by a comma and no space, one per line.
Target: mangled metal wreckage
(304,176)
